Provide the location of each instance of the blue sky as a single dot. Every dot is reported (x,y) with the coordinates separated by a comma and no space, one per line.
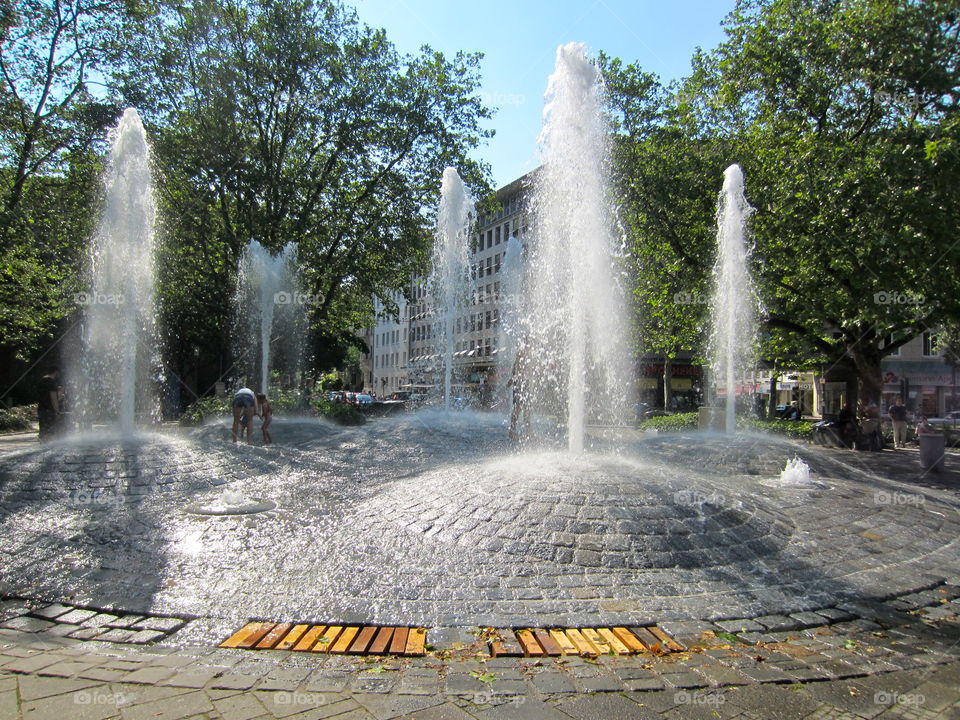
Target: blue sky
(519,40)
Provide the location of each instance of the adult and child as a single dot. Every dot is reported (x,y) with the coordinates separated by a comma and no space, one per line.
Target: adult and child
(246,405)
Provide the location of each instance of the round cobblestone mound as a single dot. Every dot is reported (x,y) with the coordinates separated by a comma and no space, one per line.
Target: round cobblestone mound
(591,511)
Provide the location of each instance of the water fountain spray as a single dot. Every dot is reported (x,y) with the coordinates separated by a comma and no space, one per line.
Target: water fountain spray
(733,301)
(577,305)
(449,281)
(112,373)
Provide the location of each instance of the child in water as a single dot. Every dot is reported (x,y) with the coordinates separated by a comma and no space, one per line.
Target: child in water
(266,414)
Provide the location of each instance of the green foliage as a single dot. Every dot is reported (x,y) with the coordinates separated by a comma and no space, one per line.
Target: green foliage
(793,429)
(290,122)
(205,408)
(340,413)
(680,422)
(14,420)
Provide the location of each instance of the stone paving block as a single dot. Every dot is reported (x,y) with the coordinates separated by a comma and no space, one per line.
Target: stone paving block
(183,706)
(194,678)
(163,624)
(419,682)
(32,687)
(141,637)
(387,707)
(32,663)
(104,634)
(235,681)
(50,612)
(87,633)
(778,623)
(97,703)
(740,626)
(76,616)
(27,624)
(606,706)
(150,675)
(65,669)
(239,707)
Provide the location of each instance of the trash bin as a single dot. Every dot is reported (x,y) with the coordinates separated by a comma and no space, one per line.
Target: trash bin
(932,447)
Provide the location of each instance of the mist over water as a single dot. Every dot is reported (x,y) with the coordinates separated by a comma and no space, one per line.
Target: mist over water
(113,372)
(577,326)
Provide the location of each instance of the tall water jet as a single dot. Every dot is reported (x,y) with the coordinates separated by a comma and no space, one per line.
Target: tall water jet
(449,280)
(733,302)
(113,372)
(511,310)
(577,303)
(265,283)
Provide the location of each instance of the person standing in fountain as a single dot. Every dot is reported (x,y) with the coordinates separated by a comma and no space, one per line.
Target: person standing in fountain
(520,384)
(244,408)
(266,415)
(48,404)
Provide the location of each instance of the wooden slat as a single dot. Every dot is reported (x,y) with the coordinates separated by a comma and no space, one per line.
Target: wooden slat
(346,637)
(399,642)
(629,639)
(291,638)
(274,636)
(564,642)
(381,641)
(531,648)
(310,638)
(665,639)
(362,641)
(416,642)
(594,637)
(649,640)
(548,644)
(257,636)
(328,638)
(613,641)
(243,635)
(506,644)
(584,646)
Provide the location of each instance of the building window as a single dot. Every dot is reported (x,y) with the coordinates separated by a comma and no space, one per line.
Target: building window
(496,234)
(489,266)
(489,320)
(888,340)
(489,239)
(930,343)
(496,263)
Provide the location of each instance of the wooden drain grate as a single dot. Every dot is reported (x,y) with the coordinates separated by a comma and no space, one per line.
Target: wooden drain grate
(587,642)
(333,639)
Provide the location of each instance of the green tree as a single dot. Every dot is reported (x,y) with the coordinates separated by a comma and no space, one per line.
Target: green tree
(844,118)
(289,122)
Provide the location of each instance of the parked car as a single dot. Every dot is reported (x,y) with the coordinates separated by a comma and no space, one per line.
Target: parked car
(362,399)
(952,419)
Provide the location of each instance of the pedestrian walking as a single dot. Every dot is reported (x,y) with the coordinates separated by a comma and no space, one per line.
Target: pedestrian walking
(898,416)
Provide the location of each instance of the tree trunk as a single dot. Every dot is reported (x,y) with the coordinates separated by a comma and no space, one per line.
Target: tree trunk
(667,382)
(866,360)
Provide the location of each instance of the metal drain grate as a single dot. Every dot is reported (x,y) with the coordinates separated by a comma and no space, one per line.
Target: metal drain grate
(333,639)
(586,642)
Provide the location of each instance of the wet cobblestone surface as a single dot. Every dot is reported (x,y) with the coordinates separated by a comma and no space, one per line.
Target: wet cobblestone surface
(837,598)
(431,520)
